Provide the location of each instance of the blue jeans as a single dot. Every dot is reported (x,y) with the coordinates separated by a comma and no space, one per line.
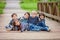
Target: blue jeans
(46,28)
(15,28)
(33,27)
(9,27)
(24,26)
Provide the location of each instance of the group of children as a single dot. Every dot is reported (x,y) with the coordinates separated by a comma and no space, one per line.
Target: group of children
(33,22)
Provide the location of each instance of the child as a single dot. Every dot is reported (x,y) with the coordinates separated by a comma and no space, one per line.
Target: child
(10,26)
(24,21)
(25,17)
(41,23)
(17,25)
(33,19)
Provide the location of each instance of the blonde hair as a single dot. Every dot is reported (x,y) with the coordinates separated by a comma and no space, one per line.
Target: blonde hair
(35,12)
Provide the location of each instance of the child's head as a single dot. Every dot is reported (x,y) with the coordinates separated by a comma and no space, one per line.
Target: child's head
(16,22)
(14,16)
(27,15)
(41,15)
(34,13)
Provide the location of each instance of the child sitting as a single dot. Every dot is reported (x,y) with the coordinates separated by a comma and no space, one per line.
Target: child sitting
(24,21)
(41,23)
(25,17)
(16,25)
(33,19)
(10,26)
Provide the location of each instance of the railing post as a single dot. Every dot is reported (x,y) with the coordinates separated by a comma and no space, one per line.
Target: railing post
(57,9)
(49,7)
(54,9)
(44,6)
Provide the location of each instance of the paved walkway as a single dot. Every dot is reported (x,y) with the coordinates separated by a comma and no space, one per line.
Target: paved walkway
(13,7)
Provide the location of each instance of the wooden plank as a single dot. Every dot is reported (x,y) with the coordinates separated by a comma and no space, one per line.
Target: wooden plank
(57,10)
(52,16)
(49,7)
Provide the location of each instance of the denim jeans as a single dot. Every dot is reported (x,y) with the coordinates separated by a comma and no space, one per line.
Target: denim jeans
(24,26)
(9,27)
(45,28)
(33,27)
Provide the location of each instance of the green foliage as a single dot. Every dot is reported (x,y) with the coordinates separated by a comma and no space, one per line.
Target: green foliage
(2,6)
(29,6)
(29,1)
(1,11)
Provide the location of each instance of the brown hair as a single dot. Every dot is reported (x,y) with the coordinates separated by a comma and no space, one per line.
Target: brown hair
(18,26)
(41,14)
(27,13)
(13,14)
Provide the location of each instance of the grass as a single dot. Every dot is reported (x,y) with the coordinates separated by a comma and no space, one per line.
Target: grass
(2,6)
(29,6)
(29,1)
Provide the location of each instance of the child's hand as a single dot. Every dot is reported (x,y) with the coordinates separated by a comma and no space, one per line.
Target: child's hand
(17,23)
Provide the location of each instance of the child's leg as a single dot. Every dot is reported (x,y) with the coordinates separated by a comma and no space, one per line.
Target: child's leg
(34,28)
(9,27)
(23,26)
(15,28)
(45,28)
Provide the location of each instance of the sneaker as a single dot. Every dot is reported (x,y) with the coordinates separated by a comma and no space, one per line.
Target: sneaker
(48,30)
(21,31)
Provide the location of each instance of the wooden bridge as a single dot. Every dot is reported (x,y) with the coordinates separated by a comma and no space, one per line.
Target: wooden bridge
(50,9)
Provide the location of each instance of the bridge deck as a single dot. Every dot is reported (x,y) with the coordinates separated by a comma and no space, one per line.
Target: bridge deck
(5,18)
(54,34)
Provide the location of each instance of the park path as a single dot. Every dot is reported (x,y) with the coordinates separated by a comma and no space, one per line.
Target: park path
(12,6)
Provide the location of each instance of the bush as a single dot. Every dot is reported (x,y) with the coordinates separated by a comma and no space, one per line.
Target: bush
(2,6)
(29,6)
(29,1)
(1,11)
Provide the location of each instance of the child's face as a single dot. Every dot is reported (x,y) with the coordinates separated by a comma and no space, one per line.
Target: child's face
(41,17)
(17,22)
(26,16)
(14,17)
(34,14)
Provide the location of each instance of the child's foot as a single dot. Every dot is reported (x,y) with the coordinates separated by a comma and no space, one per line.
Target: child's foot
(28,30)
(21,31)
(48,30)
(8,30)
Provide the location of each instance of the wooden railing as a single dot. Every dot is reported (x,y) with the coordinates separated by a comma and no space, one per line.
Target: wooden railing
(51,9)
